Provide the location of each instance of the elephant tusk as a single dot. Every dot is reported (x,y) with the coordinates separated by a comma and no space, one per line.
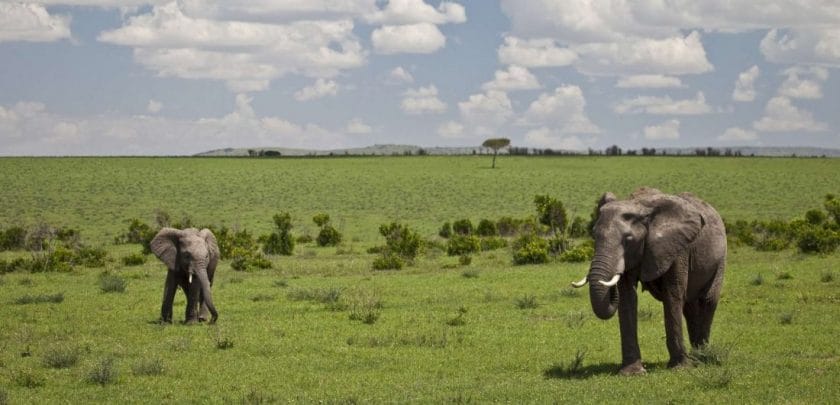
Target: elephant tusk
(613,281)
(190,279)
(579,284)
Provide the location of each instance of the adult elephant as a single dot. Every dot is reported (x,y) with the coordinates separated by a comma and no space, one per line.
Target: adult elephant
(191,256)
(675,245)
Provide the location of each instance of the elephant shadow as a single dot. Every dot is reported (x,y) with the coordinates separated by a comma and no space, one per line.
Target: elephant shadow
(564,372)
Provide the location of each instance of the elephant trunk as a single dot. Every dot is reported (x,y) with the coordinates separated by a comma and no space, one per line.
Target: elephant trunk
(602,296)
(207,295)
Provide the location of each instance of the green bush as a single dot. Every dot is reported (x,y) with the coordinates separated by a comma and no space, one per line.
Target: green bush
(321,219)
(493,243)
(462,227)
(463,244)
(558,244)
(486,228)
(304,239)
(104,372)
(388,261)
(13,238)
(579,228)
(578,254)
(138,232)
(445,230)
(280,242)
(530,249)
(507,226)
(819,240)
(401,240)
(465,260)
(815,217)
(328,236)
(91,257)
(832,206)
(134,259)
(109,283)
(551,213)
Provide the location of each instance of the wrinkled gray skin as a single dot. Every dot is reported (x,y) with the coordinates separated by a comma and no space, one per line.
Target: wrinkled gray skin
(675,245)
(190,257)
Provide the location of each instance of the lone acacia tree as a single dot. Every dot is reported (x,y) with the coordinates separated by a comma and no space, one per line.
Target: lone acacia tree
(496,144)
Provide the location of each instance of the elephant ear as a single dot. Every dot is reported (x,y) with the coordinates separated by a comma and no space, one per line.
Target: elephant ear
(165,246)
(673,226)
(606,198)
(210,239)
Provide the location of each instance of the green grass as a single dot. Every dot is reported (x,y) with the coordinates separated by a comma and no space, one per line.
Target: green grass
(325,327)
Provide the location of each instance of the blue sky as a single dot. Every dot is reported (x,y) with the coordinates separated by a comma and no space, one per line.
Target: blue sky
(138,77)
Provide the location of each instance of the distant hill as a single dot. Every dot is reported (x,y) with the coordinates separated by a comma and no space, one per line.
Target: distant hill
(391,150)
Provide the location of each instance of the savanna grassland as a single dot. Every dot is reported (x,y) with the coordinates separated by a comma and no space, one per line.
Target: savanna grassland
(322,326)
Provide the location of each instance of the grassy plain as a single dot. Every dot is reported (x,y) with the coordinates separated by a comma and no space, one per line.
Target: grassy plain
(275,344)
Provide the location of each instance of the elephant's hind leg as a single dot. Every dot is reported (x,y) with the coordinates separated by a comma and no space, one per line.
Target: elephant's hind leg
(700,313)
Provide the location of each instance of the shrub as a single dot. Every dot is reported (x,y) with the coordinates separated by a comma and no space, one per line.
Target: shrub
(281,241)
(527,302)
(445,230)
(148,367)
(463,244)
(328,236)
(827,277)
(558,244)
(304,239)
(109,282)
(61,357)
(40,299)
(462,227)
(832,206)
(578,254)
(486,227)
(321,219)
(28,379)
(818,240)
(465,260)
(507,226)
(551,212)
(91,257)
(365,306)
(388,261)
(134,259)
(401,240)
(815,217)
(138,232)
(530,249)
(103,372)
(13,238)
(493,243)
(579,228)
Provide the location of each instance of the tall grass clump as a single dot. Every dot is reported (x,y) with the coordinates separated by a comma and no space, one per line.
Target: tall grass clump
(111,283)
(61,357)
(104,372)
(148,367)
(570,370)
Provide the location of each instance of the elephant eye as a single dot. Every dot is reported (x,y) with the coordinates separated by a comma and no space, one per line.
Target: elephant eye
(628,216)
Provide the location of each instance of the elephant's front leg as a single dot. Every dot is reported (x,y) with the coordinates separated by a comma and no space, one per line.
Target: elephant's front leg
(631,357)
(169,289)
(674,284)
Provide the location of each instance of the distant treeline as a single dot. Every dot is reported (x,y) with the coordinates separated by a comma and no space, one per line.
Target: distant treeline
(613,150)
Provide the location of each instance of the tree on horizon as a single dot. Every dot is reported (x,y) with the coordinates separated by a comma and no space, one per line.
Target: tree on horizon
(496,144)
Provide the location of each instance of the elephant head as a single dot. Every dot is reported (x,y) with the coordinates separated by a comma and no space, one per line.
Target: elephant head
(191,257)
(638,238)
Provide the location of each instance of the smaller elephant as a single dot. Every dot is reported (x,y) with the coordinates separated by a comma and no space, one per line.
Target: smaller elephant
(675,246)
(191,256)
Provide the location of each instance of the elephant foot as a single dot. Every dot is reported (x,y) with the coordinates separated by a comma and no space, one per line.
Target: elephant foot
(190,321)
(680,363)
(164,321)
(635,368)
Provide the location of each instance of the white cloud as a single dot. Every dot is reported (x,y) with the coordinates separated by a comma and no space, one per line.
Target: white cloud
(321,88)
(412,38)
(403,12)
(29,129)
(675,55)
(564,109)
(547,138)
(780,115)
(668,130)
(451,129)
(648,81)
(745,85)
(246,55)
(31,22)
(795,86)
(422,101)
(735,134)
(486,112)
(357,126)
(542,52)
(664,105)
(819,46)
(399,76)
(515,78)
(154,106)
